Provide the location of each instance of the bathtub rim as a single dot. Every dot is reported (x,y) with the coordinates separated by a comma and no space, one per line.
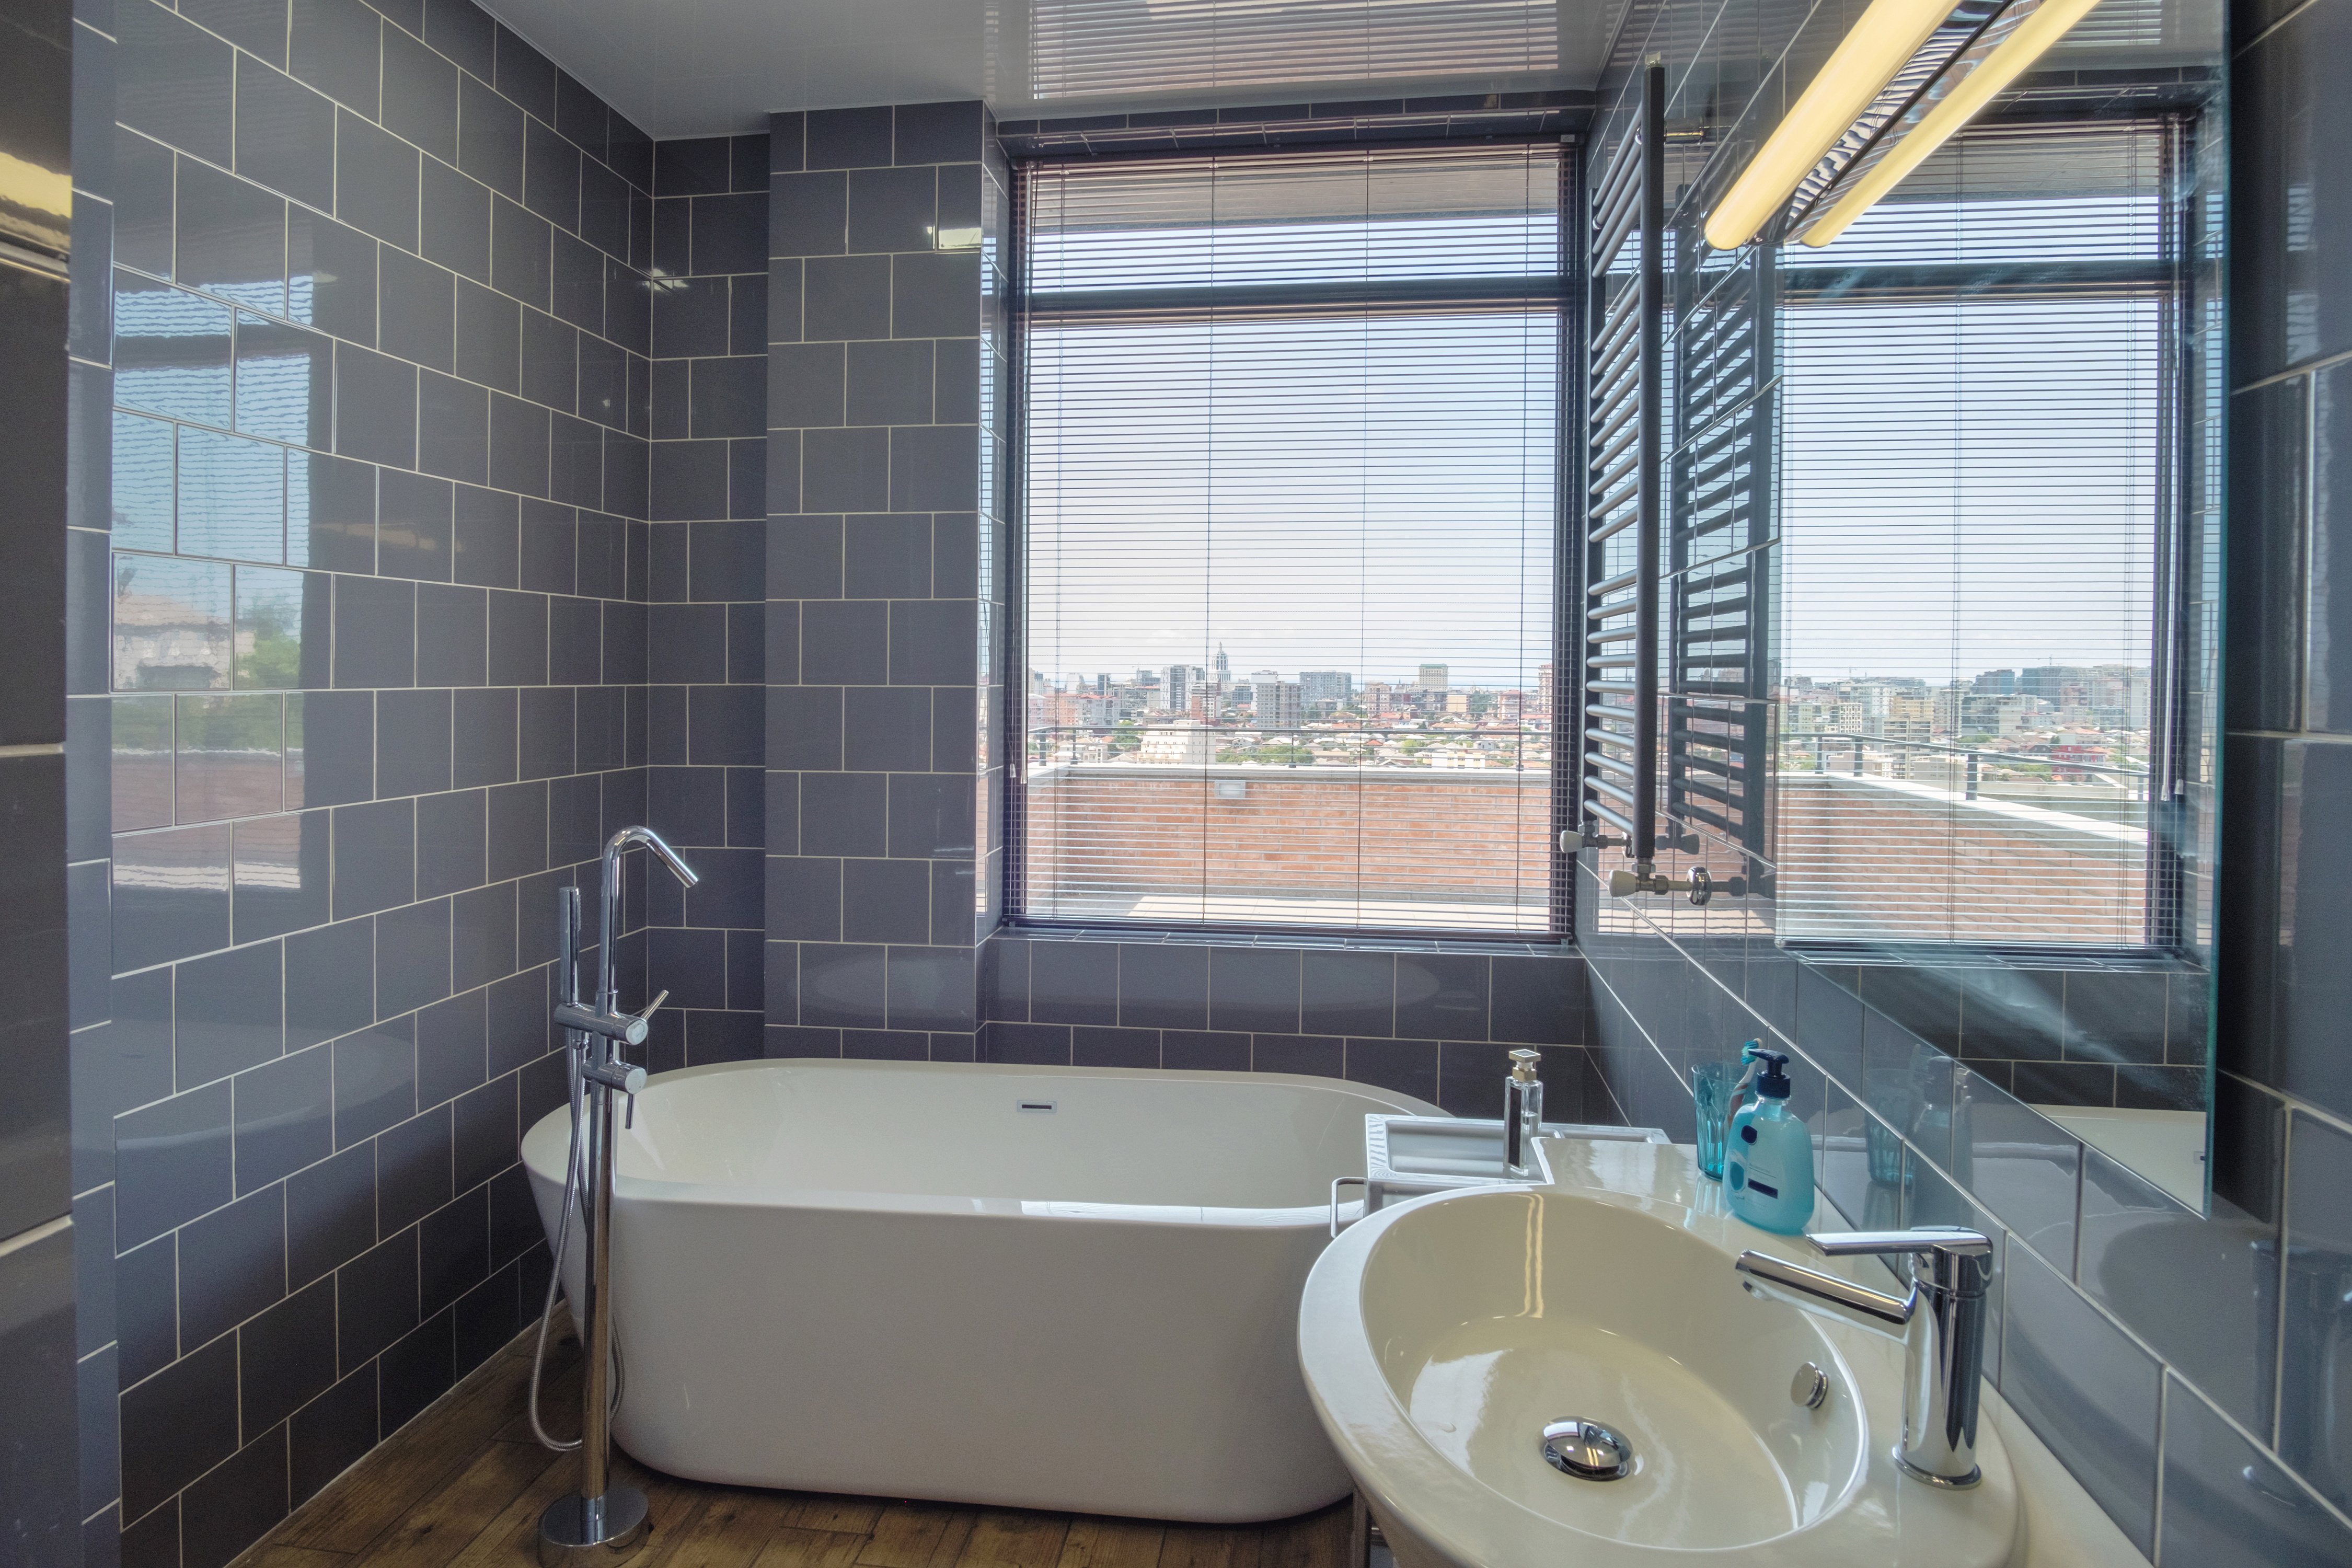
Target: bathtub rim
(545,1165)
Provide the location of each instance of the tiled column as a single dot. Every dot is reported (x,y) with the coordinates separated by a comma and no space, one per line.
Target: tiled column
(704,790)
(38,1517)
(877,463)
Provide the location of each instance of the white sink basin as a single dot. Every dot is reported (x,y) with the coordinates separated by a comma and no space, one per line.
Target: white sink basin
(1441,1336)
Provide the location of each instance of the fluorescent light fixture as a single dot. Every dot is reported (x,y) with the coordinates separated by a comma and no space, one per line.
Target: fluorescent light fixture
(1865,61)
(2031,39)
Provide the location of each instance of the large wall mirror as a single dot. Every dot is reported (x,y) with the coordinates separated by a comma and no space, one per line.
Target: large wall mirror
(1940,587)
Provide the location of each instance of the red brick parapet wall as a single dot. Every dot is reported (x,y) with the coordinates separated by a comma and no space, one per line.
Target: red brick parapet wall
(1868,857)
(1435,834)
(1859,858)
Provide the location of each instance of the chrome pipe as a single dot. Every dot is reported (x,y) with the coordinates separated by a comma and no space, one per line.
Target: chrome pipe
(600,1522)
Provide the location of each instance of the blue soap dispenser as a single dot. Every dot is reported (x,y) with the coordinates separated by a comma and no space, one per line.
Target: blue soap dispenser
(1768,1172)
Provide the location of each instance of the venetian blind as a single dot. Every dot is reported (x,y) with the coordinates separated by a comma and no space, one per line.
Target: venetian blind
(1080,47)
(1978,472)
(1291,453)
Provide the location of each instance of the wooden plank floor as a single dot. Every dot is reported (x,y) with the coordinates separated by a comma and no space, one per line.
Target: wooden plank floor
(464,1484)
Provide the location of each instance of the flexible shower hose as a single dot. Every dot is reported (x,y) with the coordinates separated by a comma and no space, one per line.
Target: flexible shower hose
(555,1277)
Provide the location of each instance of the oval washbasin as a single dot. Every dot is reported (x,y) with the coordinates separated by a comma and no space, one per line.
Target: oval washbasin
(1441,1338)
(1531,1332)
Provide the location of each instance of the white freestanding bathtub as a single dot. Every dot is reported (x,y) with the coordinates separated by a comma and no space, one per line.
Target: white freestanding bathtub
(1059,1288)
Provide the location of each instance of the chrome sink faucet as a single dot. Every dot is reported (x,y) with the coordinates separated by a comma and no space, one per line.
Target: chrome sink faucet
(1941,1322)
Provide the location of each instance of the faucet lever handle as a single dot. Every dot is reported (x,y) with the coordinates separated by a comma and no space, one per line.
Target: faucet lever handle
(1950,1240)
(1943,1258)
(649,1009)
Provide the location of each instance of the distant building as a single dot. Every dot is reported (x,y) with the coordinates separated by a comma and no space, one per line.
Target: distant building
(1432,677)
(1188,745)
(1907,717)
(1070,710)
(1543,690)
(2049,681)
(1277,704)
(1336,687)
(1175,690)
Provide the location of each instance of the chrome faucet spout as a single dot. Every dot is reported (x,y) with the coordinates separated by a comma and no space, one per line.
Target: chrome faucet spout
(607,1002)
(1940,1321)
(653,841)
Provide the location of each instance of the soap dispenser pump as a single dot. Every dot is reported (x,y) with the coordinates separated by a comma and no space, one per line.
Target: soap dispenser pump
(1768,1172)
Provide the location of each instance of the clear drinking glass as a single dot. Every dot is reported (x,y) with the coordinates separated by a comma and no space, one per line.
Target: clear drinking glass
(1711,1086)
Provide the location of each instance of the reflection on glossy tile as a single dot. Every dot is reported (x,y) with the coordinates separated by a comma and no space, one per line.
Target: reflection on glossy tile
(231,756)
(232,497)
(2088,1392)
(141,768)
(2018,1162)
(2137,1246)
(284,382)
(231,238)
(279,873)
(171,350)
(171,625)
(171,895)
(2314,1429)
(2229,1505)
(271,620)
(142,483)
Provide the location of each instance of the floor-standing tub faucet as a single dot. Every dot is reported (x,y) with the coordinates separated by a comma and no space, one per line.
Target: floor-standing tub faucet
(601,1522)
(1940,1321)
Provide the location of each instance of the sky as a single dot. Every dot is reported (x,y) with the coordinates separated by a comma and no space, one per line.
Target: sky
(1965,485)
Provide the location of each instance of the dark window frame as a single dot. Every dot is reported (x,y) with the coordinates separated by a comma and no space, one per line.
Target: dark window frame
(1542,123)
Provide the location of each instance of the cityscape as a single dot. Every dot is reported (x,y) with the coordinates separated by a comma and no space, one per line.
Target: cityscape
(2068,737)
(1202,714)
(2057,733)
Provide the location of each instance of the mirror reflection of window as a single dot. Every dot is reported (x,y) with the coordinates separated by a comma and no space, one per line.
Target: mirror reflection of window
(1976,499)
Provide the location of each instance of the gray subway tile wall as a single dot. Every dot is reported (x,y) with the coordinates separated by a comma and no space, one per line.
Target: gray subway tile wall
(372,684)
(2241,1486)
(882,305)
(1226,1005)
(2172,1358)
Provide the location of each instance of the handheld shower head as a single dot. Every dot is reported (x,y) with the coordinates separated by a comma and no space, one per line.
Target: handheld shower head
(653,841)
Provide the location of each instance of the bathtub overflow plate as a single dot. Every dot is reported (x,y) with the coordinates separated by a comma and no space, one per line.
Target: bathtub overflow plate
(1587,1450)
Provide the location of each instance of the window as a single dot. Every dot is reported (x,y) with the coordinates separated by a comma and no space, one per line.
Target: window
(1290,460)
(1981,578)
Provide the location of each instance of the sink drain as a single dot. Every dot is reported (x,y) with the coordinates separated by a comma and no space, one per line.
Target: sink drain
(1587,1450)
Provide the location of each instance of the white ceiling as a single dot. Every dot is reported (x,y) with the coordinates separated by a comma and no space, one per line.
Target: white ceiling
(702,68)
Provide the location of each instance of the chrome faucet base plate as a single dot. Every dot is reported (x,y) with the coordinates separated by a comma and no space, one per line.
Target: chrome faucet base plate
(568,1538)
(1949,1483)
